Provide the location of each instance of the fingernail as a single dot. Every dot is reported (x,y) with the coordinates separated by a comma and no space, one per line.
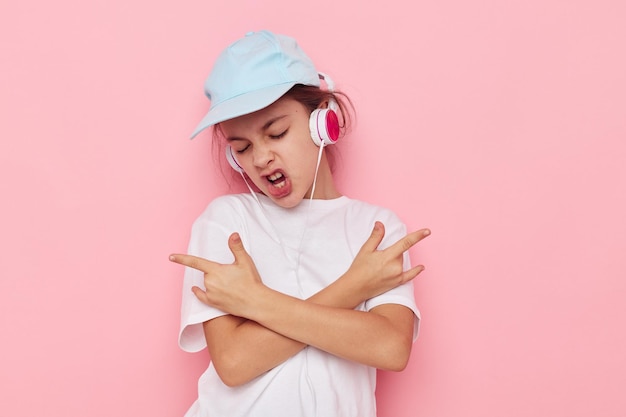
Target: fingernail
(172,258)
(236,237)
(426,232)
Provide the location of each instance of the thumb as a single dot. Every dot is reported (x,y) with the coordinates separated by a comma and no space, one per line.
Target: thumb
(236,247)
(378,233)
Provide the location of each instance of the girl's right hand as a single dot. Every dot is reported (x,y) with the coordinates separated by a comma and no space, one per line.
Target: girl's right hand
(374,271)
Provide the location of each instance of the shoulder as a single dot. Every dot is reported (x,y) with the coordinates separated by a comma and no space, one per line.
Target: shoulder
(365,210)
(227,206)
(361,217)
(222,216)
(225,212)
(231,201)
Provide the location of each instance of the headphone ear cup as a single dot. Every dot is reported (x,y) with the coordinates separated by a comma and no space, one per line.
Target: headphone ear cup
(232,161)
(324,126)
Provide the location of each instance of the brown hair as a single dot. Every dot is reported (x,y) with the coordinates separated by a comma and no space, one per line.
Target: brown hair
(312,97)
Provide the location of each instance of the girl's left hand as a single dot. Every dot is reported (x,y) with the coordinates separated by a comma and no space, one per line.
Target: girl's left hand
(229,287)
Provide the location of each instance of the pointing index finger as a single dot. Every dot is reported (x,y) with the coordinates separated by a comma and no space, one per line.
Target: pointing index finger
(191,261)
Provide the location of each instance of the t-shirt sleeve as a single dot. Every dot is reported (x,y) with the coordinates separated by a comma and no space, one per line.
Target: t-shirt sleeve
(209,240)
(404,294)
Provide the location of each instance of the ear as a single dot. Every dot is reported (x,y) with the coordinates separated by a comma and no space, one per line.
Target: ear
(323,105)
(330,104)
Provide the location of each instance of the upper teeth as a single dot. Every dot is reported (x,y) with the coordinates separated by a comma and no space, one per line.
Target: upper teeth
(275,176)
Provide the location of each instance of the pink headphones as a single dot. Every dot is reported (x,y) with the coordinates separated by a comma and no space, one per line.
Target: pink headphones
(323,125)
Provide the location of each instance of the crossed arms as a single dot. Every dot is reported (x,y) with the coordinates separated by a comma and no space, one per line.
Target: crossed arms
(264,327)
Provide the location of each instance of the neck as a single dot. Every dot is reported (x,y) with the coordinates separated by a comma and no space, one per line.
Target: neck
(325,185)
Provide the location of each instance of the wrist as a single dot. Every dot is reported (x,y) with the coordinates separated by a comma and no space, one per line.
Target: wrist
(256,301)
(343,293)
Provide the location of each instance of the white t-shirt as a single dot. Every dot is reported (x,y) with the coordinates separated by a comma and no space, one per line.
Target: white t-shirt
(297,251)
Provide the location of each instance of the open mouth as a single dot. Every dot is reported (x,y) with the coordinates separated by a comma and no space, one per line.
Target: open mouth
(277,179)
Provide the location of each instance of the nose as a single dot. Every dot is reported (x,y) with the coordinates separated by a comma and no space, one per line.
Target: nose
(262,155)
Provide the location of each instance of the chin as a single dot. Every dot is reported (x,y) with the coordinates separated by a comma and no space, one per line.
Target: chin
(289,201)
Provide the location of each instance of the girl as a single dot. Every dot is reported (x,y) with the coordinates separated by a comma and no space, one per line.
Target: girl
(299,292)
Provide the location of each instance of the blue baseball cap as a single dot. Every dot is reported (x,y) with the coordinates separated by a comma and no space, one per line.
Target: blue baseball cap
(252,73)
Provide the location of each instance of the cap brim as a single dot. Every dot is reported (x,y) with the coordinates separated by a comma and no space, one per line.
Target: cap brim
(243,104)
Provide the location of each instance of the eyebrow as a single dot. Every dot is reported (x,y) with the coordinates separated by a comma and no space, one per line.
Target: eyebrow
(265,127)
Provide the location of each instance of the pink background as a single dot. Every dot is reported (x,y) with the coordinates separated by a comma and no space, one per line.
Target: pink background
(498,124)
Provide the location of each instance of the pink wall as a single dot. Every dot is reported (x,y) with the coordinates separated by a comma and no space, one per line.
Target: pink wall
(498,124)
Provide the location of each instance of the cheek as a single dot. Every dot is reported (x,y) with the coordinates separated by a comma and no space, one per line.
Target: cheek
(306,145)
(305,155)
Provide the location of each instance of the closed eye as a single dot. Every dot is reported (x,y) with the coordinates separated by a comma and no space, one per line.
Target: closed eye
(280,135)
(242,150)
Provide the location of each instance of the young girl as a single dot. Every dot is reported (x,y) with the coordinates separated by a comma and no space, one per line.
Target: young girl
(299,292)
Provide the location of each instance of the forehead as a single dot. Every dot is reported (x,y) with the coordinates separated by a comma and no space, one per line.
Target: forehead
(285,108)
